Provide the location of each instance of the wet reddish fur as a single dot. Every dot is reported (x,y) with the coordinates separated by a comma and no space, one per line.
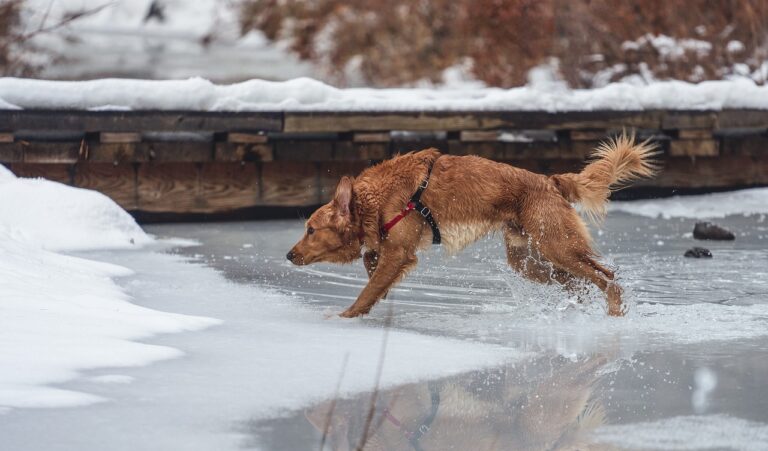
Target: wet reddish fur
(470,196)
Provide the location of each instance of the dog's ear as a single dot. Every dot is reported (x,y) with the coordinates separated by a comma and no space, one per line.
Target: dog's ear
(343,197)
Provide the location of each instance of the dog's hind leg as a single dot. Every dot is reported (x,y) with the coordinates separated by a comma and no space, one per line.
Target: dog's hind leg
(524,258)
(561,237)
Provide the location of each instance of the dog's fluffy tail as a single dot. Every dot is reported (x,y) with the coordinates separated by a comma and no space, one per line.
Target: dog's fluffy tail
(615,164)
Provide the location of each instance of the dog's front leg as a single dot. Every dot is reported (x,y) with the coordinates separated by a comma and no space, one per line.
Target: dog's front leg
(391,265)
(370,260)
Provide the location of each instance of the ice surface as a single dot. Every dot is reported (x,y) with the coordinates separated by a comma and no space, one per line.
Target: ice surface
(306,94)
(688,433)
(716,205)
(60,217)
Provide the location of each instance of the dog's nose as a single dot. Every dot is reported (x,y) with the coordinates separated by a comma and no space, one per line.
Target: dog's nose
(290,255)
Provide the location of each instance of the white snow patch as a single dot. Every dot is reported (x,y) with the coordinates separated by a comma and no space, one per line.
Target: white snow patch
(306,94)
(112,379)
(716,205)
(61,314)
(60,217)
(688,433)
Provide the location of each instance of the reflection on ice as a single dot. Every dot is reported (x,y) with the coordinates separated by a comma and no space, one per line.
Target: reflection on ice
(547,402)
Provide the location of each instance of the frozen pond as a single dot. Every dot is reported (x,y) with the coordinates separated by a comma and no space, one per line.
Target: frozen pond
(686,369)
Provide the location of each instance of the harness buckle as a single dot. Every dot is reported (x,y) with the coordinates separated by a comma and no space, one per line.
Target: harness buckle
(424,183)
(425,212)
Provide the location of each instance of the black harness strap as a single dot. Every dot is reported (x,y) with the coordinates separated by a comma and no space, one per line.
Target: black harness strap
(423,210)
(415,204)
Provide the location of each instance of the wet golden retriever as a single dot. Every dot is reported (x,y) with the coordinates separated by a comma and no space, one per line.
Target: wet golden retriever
(469,196)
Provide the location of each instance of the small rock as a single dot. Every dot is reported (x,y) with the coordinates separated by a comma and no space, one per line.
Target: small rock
(709,231)
(698,252)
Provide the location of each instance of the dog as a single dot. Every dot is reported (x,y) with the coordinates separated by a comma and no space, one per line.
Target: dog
(464,198)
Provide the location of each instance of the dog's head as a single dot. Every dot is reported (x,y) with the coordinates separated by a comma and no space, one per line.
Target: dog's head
(331,234)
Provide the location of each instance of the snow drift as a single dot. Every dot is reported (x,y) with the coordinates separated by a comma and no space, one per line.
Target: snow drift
(60,217)
(305,94)
(61,314)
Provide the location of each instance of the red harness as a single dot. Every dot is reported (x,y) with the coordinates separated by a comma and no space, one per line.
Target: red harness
(415,204)
(392,222)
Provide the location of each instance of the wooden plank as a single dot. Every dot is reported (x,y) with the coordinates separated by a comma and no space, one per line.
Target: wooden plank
(689,119)
(755,145)
(118,152)
(371,137)
(478,135)
(459,121)
(114,137)
(695,133)
(373,151)
(122,121)
(226,187)
(303,150)
(11,153)
(718,172)
(351,122)
(515,151)
(247,138)
(492,150)
(57,172)
(351,151)
(331,173)
(588,135)
(408,145)
(228,151)
(187,151)
(693,148)
(116,181)
(50,152)
(580,150)
(289,183)
(6,137)
(168,187)
(537,150)
(742,119)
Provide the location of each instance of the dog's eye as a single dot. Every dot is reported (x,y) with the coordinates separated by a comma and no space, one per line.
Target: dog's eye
(310,230)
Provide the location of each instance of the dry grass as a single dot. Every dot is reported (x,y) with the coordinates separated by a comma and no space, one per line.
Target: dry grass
(401,42)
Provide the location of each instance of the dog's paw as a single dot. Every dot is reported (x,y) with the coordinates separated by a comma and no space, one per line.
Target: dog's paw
(349,314)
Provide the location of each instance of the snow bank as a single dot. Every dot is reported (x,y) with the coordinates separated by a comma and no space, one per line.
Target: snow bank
(61,314)
(305,94)
(716,205)
(60,217)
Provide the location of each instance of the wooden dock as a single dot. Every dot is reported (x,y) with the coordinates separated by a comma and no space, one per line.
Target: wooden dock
(157,164)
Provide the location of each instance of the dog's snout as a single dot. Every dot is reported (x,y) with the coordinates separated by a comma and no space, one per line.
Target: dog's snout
(290,255)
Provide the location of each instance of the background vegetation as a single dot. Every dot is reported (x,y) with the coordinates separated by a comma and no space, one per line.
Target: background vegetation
(587,42)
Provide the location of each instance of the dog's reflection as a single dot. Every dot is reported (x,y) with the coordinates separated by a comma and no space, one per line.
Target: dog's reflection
(548,403)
